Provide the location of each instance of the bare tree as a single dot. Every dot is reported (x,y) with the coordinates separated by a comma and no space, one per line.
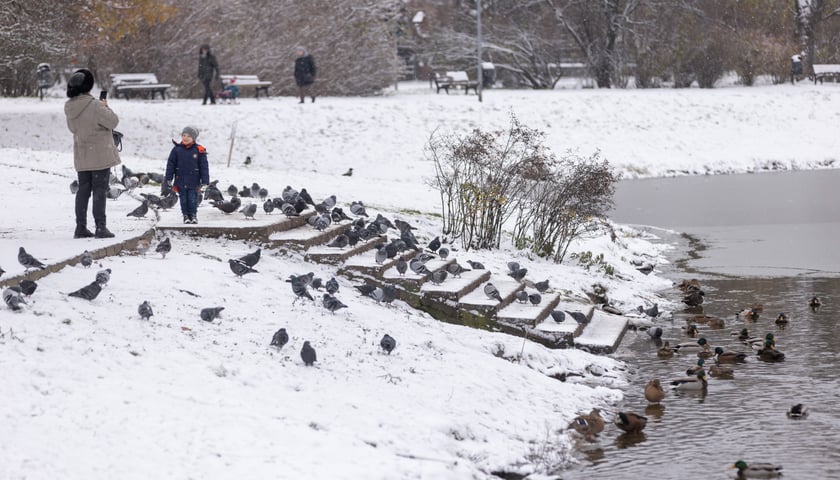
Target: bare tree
(810,15)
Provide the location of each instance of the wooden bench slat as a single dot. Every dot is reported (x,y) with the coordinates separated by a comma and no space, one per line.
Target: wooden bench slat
(138,82)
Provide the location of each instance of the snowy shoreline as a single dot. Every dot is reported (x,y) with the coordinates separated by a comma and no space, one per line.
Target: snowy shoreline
(89,385)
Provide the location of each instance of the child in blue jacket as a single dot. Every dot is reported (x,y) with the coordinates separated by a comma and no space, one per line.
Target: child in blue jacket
(187,171)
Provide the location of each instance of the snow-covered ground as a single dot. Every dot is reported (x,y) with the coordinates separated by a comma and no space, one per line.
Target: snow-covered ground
(92,391)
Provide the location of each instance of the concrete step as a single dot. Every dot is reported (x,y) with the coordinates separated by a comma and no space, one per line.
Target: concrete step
(603,333)
(305,236)
(215,223)
(364,265)
(563,333)
(453,288)
(411,281)
(527,314)
(336,256)
(479,303)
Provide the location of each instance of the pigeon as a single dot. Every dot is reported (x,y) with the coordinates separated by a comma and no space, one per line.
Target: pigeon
(280,338)
(439,276)
(338,215)
(365,290)
(492,292)
(425,257)
(240,268)
(455,269)
(322,222)
(159,178)
(650,312)
(378,294)
(153,199)
(340,241)
(389,294)
(518,274)
(289,194)
(88,292)
(475,265)
(542,287)
(513,266)
(245,192)
(249,210)
(558,316)
(103,276)
(268,206)
(28,261)
(164,247)
(434,244)
(252,258)
(522,296)
(402,225)
(416,265)
(348,173)
(27,287)
(388,343)
(262,193)
(113,192)
(381,256)
(211,313)
(655,333)
(331,286)
(307,354)
(331,303)
(316,283)
(289,210)
(358,209)
(232,190)
(443,252)
(74,186)
(299,288)
(169,201)
(306,197)
(86,259)
(140,211)
(145,310)
(402,266)
(13,299)
(535,299)
(213,193)
(228,206)
(2,271)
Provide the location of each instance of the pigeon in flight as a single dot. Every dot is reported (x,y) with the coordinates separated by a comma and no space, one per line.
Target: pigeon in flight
(252,258)
(103,276)
(249,210)
(145,310)
(492,292)
(140,211)
(88,292)
(240,268)
(331,303)
(307,354)
(28,261)
(331,286)
(86,259)
(164,247)
(13,299)
(211,313)
(280,338)
(388,343)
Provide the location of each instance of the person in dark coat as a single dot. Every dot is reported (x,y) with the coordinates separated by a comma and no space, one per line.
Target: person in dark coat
(304,73)
(187,171)
(208,70)
(94,152)
(796,67)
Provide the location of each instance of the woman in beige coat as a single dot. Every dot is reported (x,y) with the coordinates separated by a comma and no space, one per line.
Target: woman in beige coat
(94,153)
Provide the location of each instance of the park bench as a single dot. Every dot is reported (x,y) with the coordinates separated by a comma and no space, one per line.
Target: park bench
(248,81)
(826,70)
(129,84)
(444,81)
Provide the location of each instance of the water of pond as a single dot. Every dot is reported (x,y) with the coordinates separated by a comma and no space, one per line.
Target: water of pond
(747,256)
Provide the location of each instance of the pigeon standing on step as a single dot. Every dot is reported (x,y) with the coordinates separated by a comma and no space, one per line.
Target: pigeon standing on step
(140,211)
(145,310)
(306,197)
(516,272)
(103,276)
(455,269)
(439,276)
(13,299)
(558,316)
(341,241)
(388,343)
(331,303)
(240,268)
(249,210)
(443,253)
(381,256)
(492,292)
(522,296)
(164,247)
(434,245)
(280,338)
(88,292)
(358,209)
(542,287)
(213,193)
(211,313)
(229,206)
(402,266)
(418,267)
(307,354)
(535,299)
(28,261)
(263,194)
(332,286)
(268,207)
(86,259)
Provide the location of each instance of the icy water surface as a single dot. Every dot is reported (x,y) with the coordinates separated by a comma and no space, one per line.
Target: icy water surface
(763,238)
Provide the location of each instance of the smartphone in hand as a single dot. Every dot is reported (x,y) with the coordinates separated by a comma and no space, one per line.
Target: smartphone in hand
(103,94)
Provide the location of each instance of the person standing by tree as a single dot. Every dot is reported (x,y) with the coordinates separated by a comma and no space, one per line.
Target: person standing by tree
(94,152)
(796,67)
(304,73)
(208,70)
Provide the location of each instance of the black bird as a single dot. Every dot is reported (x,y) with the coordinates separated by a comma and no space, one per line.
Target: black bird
(434,244)
(307,354)
(388,343)
(348,173)
(542,287)
(558,316)
(88,292)
(331,286)
(27,287)
(280,338)
(263,193)
(140,211)
(299,288)
(268,206)
(211,313)
(228,206)
(103,276)
(306,197)
(145,310)
(74,186)
(492,292)
(650,312)
(213,193)
(240,268)
(232,190)
(340,241)
(331,303)
(338,215)
(365,290)
(249,210)
(535,298)
(86,259)
(476,265)
(402,225)
(164,247)
(245,192)
(28,261)
(169,201)
(402,266)
(252,258)
(13,299)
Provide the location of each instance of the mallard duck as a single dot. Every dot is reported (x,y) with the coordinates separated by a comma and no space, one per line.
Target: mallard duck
(716,322)
(691,383)
(689,285)
(724,373)
(782,319)
(757,470)
(758,343)
(693,370)
(729,357)
(630,422)
(705,353)
(770,354)
(691,330)
(694,298)
(741,334)
(749,314)
(815,302)
(699,345)
(665,351)
(590,424)
(797,411)
(654,393)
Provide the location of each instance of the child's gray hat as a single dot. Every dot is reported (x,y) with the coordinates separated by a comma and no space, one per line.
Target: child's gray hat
(191,131)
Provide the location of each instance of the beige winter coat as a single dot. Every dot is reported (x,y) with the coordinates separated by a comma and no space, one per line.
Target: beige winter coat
(91,122)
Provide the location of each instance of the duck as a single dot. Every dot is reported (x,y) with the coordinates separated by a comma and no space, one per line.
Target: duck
(589,424)
(689,285)
(699,345)
(770,354)
(710,320)
(815,302)
(797,411)
(654,393)
(729,357)
(694,298)
(757,470)
(630,422)
(742,334)
(782,319)
(724,373)
(705,353)
(691,330)
(665,351)
(749,314)
(716,322)
(758,343)
(693,370)
(691,383)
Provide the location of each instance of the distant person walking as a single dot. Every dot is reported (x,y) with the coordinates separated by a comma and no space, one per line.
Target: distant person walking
(304,74)
(796,67)
(92,123)
(208,70)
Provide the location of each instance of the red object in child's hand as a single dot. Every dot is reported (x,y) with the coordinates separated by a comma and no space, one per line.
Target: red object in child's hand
(175,188)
